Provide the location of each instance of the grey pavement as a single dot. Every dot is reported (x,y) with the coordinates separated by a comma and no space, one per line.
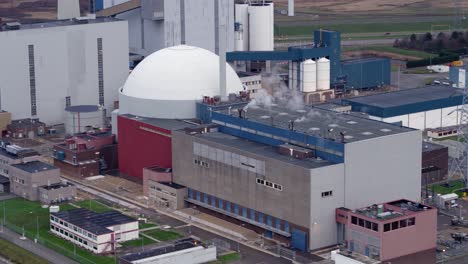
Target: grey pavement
(37,249)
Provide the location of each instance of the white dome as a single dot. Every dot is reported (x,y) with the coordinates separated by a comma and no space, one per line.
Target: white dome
(168,83)
(179,73)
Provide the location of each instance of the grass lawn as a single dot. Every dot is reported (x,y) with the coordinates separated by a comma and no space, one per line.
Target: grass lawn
(34,219)
(390,49)
(228,258)
(306,30)
(19,255)
(93,205)
(445,190)
(163,235)
(137,242)
(146,225)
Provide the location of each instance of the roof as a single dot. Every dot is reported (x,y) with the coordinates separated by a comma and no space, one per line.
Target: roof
(93,222)
(21,154)
(261,150)
(177,74)
(82,108)
(168,124)
(449,196)
(120,8)
(64,22)
(407,101)
(4,180)
(34,166)
(321,123)
(177,246)
(172,185)
(427,146)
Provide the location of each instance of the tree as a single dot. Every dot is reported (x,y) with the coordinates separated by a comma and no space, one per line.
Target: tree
(427,37)
(413,38)
(441,35)
(455,35)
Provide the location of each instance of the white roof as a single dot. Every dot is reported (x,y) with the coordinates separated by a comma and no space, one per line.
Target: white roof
(449,196)
(179,73)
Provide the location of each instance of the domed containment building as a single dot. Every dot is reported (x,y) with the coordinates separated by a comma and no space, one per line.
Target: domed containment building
(160,96)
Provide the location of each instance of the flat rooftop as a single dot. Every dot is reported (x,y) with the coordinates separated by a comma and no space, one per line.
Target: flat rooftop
(34,166)
(177,246)
(93,222)
(428,146)
(21,154)
(57,186)
(168,124)
(64,22)
(321,123)
(393,209)
(172,185)
(260,149)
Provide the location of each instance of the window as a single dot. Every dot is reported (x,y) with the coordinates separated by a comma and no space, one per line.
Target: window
(361,222)
(327,194)
(353,220)
(61,222)
(260,181)
(386,227)
(375,227)
(269,184)
(32,80)
(411,221)
(403,223)
(368,225)
(100,71)
(395,225)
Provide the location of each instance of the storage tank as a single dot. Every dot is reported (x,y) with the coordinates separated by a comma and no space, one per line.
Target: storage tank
(323,74)
(78,117)
(308,76)
(261,30)
(242,27)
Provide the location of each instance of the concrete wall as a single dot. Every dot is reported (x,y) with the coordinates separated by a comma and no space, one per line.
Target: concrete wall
(125,232)
(174,197)
(29,189)
(57,195)
(6,162)
(66,64)
(383,169)
(239,185)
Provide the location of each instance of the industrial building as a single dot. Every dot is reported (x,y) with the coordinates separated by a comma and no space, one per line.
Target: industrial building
(389,230)
(458,76)
(366,72)
(83,118)
(434,163)
(240,168)
(420,108)
(56,64)
(96,232)
(186,250)
(25,128)
(12,154)
(155,25)
(39,181)
(87,154)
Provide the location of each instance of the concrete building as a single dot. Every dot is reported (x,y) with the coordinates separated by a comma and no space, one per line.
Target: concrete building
(5,120)
(39,181)
(182,251)
(252,82)
(4,184)
(420,108)
(166,194)
(458,76)
(26,128)
(434,163)
(96,232)
(67,62)
(87,154)
(158,24)
(285,171)
(14,155)
(388,231)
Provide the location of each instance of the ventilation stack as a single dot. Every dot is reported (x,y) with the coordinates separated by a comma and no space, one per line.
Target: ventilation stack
(68,9)
(290,7)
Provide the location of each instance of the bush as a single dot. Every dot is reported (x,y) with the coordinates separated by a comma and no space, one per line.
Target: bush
(436,60)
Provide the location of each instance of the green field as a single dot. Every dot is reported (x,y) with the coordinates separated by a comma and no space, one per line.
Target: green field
(17,254)
(93,205)
(146,225)
(390,49)
(163,235)
(455,185)
(307,30)
(228,258)
(34,220)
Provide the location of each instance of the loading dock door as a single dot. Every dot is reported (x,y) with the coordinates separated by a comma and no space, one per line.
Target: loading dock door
(299,240)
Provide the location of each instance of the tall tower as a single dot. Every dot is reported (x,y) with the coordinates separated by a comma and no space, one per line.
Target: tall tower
(457,19)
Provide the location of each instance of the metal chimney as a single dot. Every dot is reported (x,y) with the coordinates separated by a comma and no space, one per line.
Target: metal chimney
(290,7)
(222,35)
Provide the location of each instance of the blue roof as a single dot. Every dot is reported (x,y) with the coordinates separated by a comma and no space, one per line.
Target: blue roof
(407,101)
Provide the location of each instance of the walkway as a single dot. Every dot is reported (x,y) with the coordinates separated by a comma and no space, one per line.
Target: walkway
(37,249)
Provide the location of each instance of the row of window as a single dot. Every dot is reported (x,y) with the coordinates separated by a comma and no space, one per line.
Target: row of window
(161,190)
(77,239)
(252,82)
(2,161)
(270,184)
(73,227)
(364,223)
(32,80)
(201,163)
(18,180)
(399,224)
(239,210)
(327,194)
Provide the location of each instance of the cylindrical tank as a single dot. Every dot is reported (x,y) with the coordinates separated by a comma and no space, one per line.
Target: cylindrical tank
(242,27)
(79,117)
(261,30)
(323,74)
(309,76)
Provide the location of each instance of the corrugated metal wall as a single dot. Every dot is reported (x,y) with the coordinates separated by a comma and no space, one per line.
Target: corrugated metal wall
(366,73)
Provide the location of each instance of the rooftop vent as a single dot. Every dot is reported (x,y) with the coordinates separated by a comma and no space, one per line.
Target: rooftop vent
(301,111)
(385,130)
(283,114)
(333,125)
(348,137)
(351,122)
(264,117)
(13,26)
(314,129)
(367,133)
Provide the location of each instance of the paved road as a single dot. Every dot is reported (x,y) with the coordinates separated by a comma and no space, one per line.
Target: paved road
(37,249)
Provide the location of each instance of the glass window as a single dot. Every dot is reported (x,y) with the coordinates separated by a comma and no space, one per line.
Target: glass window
(403,223)
(375,227)
(361,222)
(368,225)
(386,227)
(354,220)
(411,221)
(395,225)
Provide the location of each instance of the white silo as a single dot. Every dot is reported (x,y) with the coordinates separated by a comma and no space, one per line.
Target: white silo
(323,74)
(242,27)
(261,30)
(308,76)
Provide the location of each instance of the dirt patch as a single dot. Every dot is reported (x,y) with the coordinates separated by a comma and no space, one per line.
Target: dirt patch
(368,53)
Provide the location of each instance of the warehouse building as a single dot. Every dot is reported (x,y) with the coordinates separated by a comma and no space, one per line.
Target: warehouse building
(365,73)
(285,171)
(13,154)
(458,76)
(434,163)
(96,232)
(387,231)
(420,108)
(60,63)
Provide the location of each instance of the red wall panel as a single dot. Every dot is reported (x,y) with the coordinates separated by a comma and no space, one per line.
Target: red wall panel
(142,145)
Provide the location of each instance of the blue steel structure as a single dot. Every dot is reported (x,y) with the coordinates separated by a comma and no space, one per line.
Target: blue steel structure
(366,73)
